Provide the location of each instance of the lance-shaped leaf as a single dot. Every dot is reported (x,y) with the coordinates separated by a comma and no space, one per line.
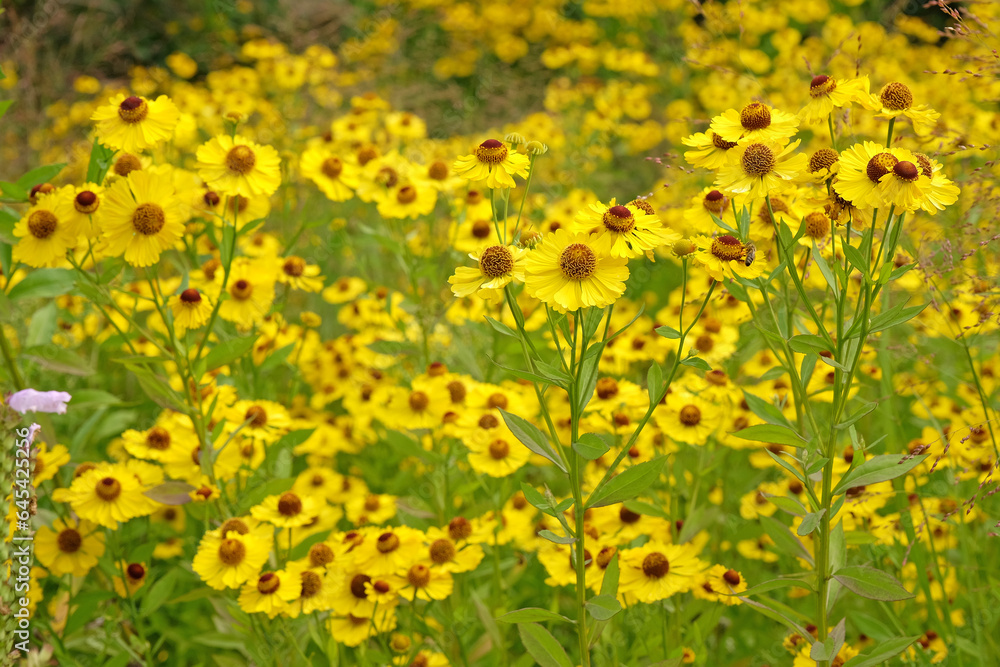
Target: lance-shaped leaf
(533,615)
(878,469)
(627,485)
(771,433)
(882,652)
(871,583)
(542,646)
(531,437)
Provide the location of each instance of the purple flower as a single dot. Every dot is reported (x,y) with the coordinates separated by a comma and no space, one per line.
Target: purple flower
(39,401)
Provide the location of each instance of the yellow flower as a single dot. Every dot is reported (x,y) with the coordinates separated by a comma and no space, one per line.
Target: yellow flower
(725,257)
(133,124)
(497,457)
(237,166)
(755,123)
(69,547)
(182,65)
(656,571)
(758,168)
(710,149)
(624,230)
(897,100)
(939,192)
(497,266)
(106,494)
(720,584)
(227,562)
(493,162)
(251,292)
(262,420)
(335,177)
(444,554)
(296,273)
(407,201)
(85,213)
(688,418)
(269,594)
(344,289)
(45,232)
(142,218)
(287,510)
(353,630)
(47,463)
(191,310)
(315,589)
(133,578)
(390,551)
(425,583)
(827,93)
(567,272)
(863,167)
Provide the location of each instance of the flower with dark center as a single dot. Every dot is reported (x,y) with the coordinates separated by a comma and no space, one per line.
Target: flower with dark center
(577,262)
(491,152)
(758,160)
(655,565)
(133,110)
(69,541)
(690,415)
(42,224)
(896,96)
(148,219)
(727,248)
(821,85)
(241,159)
(232,552)
(496,261)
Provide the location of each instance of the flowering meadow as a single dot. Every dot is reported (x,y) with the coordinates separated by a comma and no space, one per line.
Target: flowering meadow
(592,333)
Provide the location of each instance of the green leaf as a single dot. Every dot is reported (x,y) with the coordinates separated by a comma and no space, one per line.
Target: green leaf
(810,522)
(591,446)
(824,268)
(882,652)
(100,162)
(558,539)
(610,584)
(603,607)
(654,382)
(828,649)
(158,389)
(771,433)
(171,493)
(871,583)
(4,105)
(39,175)
(12,191)
(43,284)
(532,615)
(500,327)
(159,592)
(890,319)
(785,542)
(786,504)
(697,362)
(806,343)
(628,484)
(55,358)
(533,377)
(878,469)
(856,259)
(533,496)
(668,332)
(93,398)
(228,351)
(804,580)
(542,646)
(787,466)
(861,412)
(766,411)
(531,437)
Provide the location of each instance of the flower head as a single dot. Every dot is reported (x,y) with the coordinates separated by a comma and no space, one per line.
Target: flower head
(568,272)
(492,161)
(237,166)
(133,124)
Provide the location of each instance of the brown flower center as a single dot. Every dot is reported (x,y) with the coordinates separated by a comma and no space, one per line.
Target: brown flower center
(234,525)
(496,261)
(758,160)
(442,551)
(268,584)
(69,541)
(358,585)
(880,165)
(158,438)
(320,554)
(406,195)
(135,571)
(577,262)
(311,584)
(86,202)
(232,552)
(499,449)
(896,96)
(604,556)
(491,152)
(824,158)
(289,504)
(256,415)
(42,224)
(755,116)
(481,229)
(821,85)
(438,171)
(643,206)
(714,202)
(387,543)
(126,164)
(690,415)
(241,159)
(459,528)
(241,289)
(332,167)
(607,388)
(419,401)
(294,266)
(906,171)
(817,225)
(419,576)
(108,489)
(732,577)
(148,219)
(655,565)
(727,248)
(133,110)
(719,142)
(497,400)
(618,219)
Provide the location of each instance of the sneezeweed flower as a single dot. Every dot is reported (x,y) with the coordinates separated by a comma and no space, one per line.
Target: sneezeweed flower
(237,166)
(623,230)
(230,560)
(938,191)
(827,94)
(411,200)
(131,577)
(69,547)
(32,400)
(251,292)
(106,494)
(655,571)
(143,217)
(703,206)
(297,274)
(46,231)
(725,256)
(426,583)
(191,310)
(47,463)
(497,266)
(710,150)
(288,510)
(903,187)
(863,168)
(389,551)
(134,124)
(352,630)
(720,584)
(496,457)
(492,161)
(85,213)
(756,122)
(262,420)
(897,100)
(336,177)
(756,169)
(315,588)
(688,418)
(822,165)
(269,594)
(566,271)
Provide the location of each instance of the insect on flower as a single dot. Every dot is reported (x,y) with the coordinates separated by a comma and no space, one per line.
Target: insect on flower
(749,253)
